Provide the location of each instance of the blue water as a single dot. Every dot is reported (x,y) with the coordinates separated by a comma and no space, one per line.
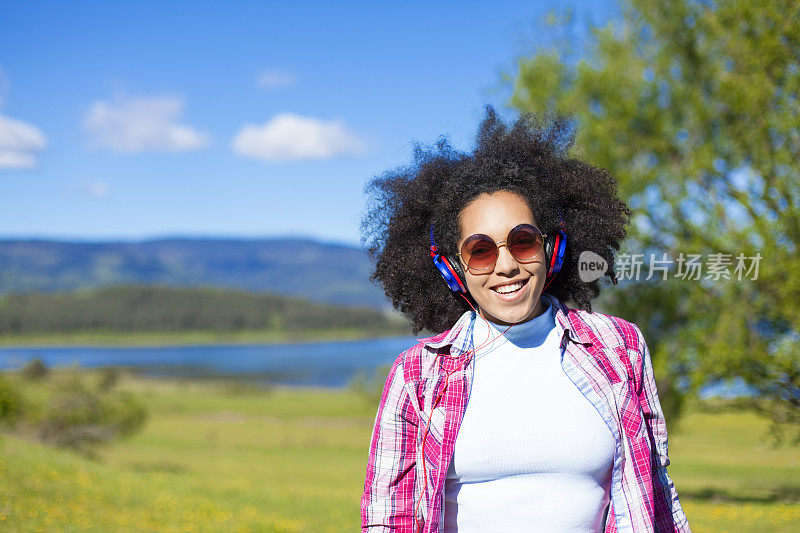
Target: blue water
(327,364)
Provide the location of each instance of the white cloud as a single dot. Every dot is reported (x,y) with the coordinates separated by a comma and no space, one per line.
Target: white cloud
(142,124)
(270,79)
(288,136)
(19,143)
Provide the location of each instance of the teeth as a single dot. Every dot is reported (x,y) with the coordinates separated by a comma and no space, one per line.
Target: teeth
(505,289)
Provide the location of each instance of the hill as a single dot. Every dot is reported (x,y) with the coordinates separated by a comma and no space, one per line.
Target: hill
(319,272)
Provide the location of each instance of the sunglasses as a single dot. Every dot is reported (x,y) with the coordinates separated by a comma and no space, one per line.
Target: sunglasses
(479,252)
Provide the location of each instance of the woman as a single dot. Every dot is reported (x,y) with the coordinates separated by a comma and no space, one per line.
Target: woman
(523,414)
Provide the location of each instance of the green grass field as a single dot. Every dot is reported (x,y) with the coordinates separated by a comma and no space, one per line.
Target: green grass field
(222,457)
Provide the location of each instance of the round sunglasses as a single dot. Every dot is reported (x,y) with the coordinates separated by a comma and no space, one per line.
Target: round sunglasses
(479,252)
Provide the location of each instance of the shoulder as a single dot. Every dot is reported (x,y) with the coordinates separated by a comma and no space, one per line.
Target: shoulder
(611,331)
(592,327)
(621,341)
(410,361)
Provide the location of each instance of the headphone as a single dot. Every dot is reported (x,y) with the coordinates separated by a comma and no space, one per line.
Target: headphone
(449,267)
(451,270)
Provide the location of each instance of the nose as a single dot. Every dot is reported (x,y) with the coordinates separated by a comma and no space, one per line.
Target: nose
(506,265)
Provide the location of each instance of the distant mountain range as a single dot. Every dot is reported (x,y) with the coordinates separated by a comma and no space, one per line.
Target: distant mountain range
(328,273)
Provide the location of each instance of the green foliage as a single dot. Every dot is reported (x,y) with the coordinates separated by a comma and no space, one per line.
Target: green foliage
(694,108)
(67,412)
(124,309)
(10,402)
(34,369)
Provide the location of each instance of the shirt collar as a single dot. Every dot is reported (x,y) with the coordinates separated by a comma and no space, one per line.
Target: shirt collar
(569,320)
(459,335)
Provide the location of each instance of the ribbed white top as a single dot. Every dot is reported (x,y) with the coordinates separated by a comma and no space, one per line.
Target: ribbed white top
(532,453)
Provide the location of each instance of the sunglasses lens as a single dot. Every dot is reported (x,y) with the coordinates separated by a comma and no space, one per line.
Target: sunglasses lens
(525,242)
(480,252)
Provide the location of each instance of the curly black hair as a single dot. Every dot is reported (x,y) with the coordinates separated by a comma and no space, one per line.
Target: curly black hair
(528,158)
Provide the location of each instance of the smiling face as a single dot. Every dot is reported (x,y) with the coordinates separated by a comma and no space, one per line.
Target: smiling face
(510,292)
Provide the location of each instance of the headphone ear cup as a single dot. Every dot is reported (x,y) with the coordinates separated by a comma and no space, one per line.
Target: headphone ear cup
(549,246)
(554,251)
(455,265)
(449,273)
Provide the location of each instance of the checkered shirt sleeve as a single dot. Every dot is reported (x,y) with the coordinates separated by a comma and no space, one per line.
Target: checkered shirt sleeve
(387,503)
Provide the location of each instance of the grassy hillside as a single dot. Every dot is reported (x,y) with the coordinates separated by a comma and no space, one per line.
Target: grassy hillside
(214,457)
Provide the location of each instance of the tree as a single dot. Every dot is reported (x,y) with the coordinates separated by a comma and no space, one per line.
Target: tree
(694,107)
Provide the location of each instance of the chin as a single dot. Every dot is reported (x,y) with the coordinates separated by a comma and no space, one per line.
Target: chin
(511,316)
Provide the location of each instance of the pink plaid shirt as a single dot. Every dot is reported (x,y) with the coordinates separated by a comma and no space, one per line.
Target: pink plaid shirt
(607,359)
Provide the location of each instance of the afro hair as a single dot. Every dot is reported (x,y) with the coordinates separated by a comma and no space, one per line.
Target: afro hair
(528,158)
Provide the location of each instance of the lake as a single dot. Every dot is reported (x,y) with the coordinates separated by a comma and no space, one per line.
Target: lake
(326,364)
(321,364)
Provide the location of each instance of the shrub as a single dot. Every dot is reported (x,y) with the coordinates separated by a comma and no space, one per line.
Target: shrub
(124,414)
(69,419)
(34,369)
(70,410)
(77,417)
(10,402)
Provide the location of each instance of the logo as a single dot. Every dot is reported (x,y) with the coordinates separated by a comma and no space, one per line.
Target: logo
(591,266)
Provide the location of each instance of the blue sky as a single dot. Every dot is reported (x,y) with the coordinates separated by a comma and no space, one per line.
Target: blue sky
(133,120)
